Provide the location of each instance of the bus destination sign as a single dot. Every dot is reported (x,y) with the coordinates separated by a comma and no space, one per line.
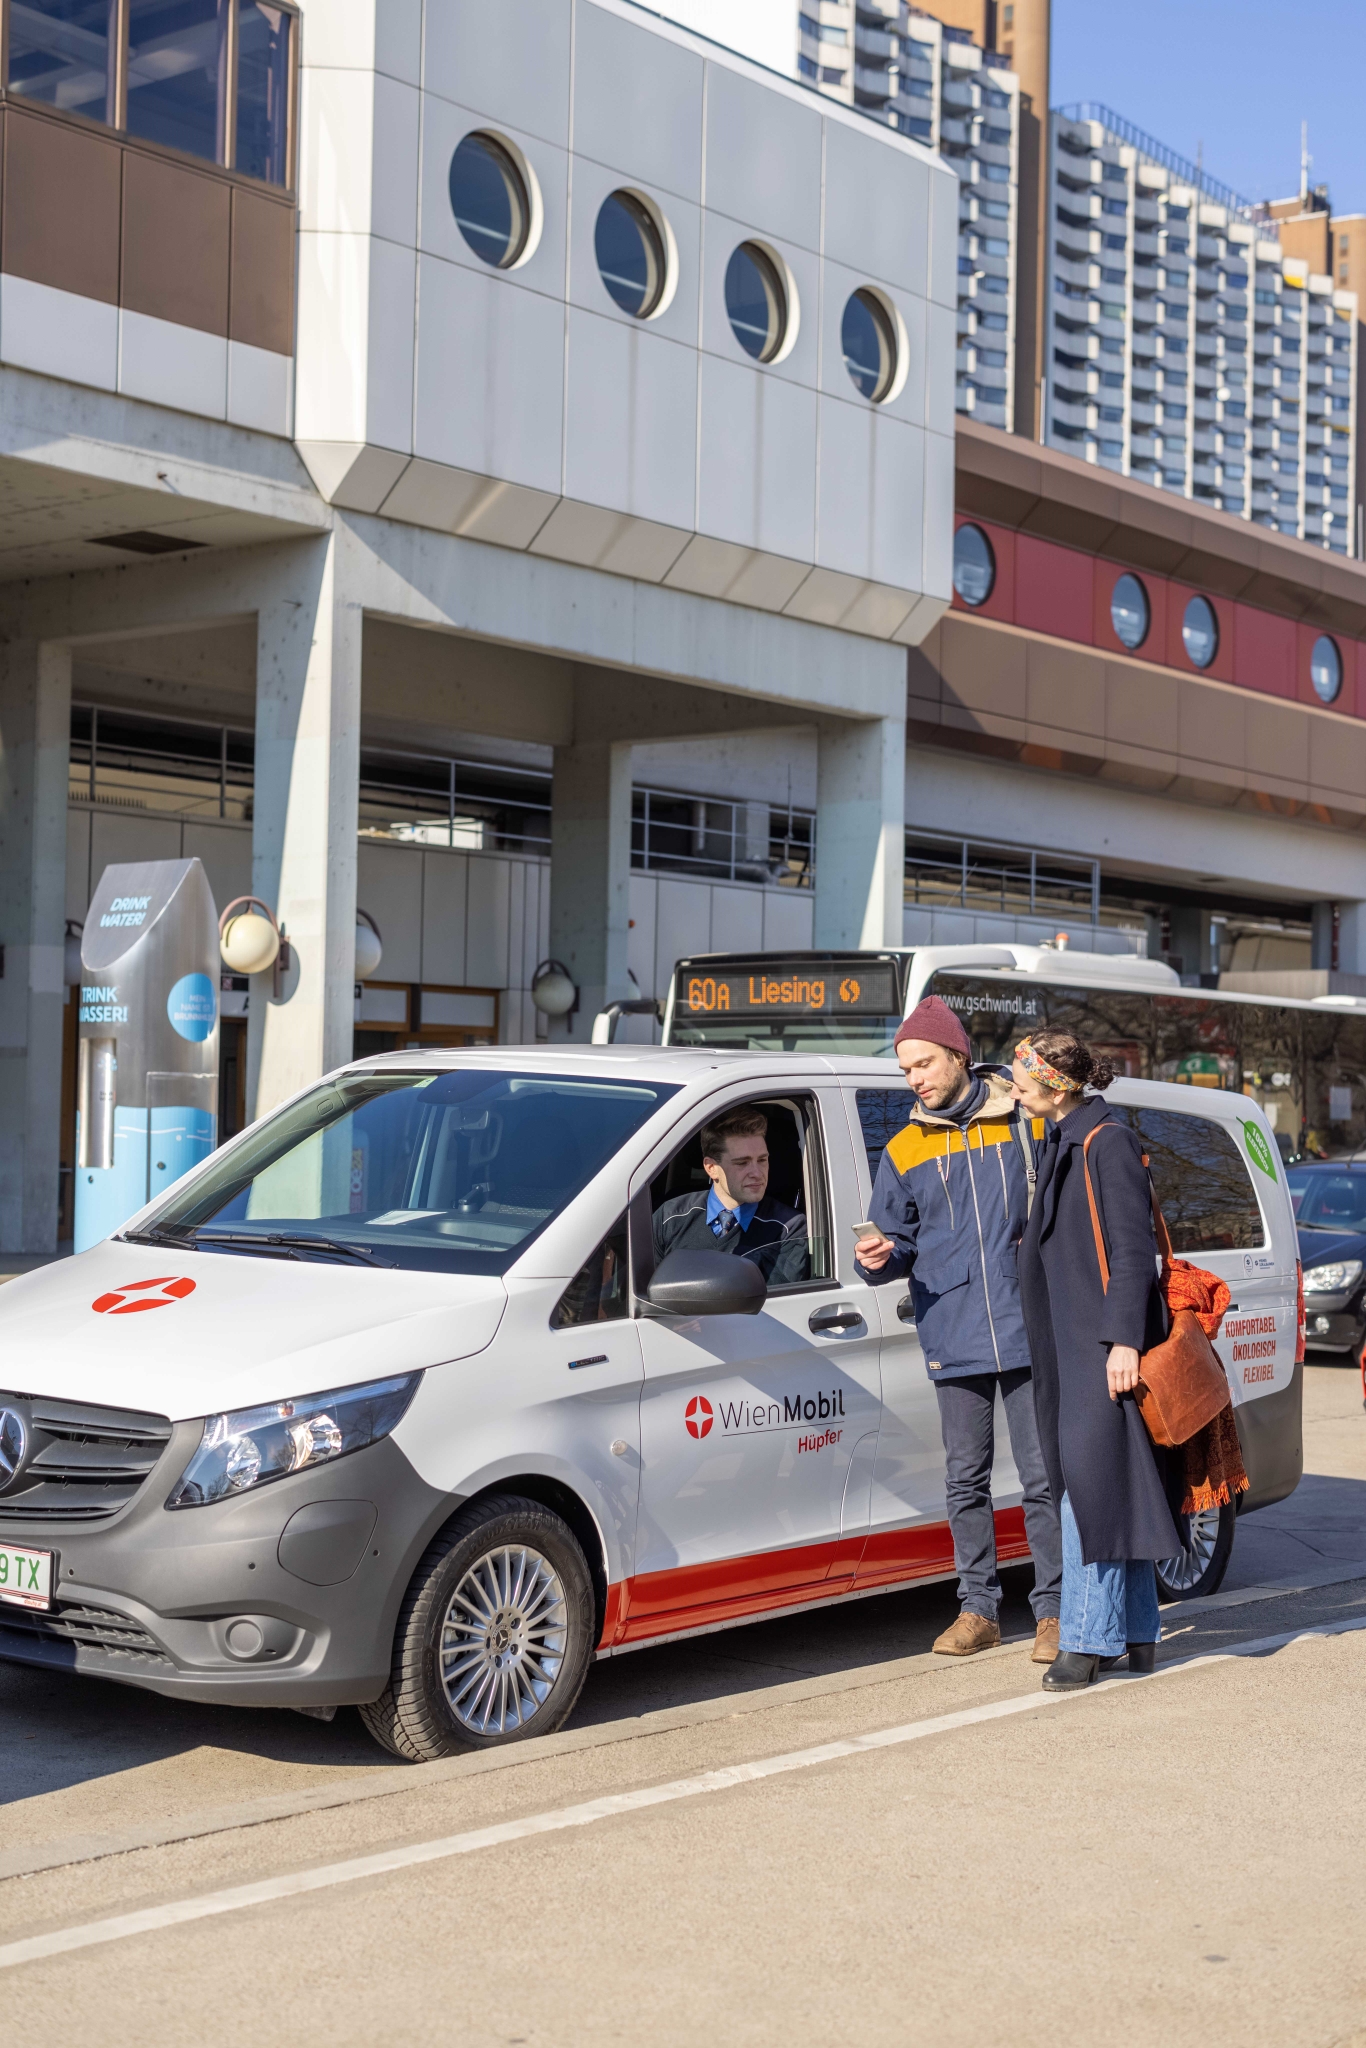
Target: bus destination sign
(770,986)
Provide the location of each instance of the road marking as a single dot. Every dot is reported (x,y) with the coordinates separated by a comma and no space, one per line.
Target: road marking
(267,1891)
(71,1850)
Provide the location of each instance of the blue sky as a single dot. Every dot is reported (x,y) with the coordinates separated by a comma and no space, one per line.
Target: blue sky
(1239,75)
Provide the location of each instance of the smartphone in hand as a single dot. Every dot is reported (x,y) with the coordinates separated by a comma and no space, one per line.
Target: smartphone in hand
(865,1230)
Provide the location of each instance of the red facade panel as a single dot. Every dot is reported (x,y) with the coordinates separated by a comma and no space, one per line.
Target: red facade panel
(1053,589)
(1264,651)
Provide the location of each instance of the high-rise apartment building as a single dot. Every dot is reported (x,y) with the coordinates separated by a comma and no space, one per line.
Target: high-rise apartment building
(1186,346)
(943,82)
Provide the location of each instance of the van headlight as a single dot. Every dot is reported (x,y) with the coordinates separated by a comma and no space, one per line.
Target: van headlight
(252,1446)
(1332,1279)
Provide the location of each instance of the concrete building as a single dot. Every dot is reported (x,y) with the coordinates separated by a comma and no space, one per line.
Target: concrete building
(1333,245)
(1187,347)
(397,414)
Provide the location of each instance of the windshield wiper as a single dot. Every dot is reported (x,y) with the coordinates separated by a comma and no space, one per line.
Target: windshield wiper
(182,1239)
(291,1246)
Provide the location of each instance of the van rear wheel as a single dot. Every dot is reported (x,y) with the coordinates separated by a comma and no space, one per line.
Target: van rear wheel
(1199,1567)
(494,1636)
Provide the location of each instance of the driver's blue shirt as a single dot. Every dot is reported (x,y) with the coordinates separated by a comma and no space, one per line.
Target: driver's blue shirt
(722,1220)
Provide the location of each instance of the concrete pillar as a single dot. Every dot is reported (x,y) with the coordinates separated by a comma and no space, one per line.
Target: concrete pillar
(1351,938)
(308,687)
(1321,940)
(35,731)
(861,832)
(590,876)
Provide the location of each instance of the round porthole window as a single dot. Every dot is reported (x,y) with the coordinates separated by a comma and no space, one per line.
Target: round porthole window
(1325,669)
(974,565)
(490,201)
(1200,632)
(632,260)
(869,341)
(1129,613)
(756,302)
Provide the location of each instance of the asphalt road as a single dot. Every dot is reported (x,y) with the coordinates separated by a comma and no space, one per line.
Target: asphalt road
(961,1861)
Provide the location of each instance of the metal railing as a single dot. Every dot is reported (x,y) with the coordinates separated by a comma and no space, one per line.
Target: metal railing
(975,874)
(1170,159)
(717,839)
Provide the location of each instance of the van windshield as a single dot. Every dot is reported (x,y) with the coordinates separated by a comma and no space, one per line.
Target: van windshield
(452,1171)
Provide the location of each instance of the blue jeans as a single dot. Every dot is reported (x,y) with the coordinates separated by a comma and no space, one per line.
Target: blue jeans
(1105,1606)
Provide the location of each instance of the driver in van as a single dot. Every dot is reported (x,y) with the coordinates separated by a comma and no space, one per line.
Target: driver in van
(951,1199)
(736,1213)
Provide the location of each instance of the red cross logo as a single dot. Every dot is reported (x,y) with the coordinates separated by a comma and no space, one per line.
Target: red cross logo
(697,1416)
(140,1294)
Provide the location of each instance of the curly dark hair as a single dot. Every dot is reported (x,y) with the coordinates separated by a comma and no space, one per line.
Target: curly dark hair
(1074,1058)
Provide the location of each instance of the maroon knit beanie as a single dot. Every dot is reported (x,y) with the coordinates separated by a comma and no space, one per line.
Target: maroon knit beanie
(934,1021)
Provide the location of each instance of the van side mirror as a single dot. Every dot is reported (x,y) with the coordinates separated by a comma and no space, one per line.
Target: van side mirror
(688,1283)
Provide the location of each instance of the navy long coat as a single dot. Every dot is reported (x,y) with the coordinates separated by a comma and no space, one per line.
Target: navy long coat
(1096,1449)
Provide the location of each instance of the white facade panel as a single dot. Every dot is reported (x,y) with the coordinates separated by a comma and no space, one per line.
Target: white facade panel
(630,438)
(172,365)
(391,337)
(389,887)
(332,328)
(789,917)
(737,920)
(638,102)
(937,503)
(58,333)
(592,184)
(385,35)
(877,208)
(511,61)
(486,947)
(445,883)
(490,376)
(444,126)
(393,199)
(757,466)
(260,389)
(338,171)
(722,234)
(763,158)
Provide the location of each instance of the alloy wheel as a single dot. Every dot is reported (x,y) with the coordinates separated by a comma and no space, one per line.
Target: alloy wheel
(503,1640)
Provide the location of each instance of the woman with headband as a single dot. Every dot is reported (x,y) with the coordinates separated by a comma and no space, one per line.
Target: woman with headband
(1086,1341)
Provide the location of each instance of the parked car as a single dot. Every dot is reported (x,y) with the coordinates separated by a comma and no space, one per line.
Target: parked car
(1329,1199)
(391,1402)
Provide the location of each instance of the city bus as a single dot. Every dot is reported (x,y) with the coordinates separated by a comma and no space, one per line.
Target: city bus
(1302,1061)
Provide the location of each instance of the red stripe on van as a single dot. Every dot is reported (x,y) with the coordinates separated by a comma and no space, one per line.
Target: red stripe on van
(742,1588)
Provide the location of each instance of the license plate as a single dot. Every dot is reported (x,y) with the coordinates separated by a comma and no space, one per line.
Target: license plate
(25,1576)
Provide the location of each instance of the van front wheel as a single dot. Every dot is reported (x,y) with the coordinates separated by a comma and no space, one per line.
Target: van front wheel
(494,1637)
(1199,1567)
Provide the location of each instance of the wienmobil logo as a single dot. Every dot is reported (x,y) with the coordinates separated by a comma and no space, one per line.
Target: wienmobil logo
(137,1295)
(126,910)
(749,1418)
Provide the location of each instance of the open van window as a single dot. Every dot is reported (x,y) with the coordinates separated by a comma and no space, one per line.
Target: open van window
(454,1170)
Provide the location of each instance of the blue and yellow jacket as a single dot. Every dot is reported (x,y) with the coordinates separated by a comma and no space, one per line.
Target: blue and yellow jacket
(954,1199)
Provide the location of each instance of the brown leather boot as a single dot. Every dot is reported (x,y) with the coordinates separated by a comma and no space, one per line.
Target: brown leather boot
(969,1634)
(1045,1640)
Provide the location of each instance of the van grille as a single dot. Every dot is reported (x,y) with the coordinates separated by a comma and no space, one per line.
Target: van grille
(97,1628)
(82,1462)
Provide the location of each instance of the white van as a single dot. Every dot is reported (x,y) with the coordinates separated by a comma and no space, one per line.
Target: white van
(420,1422)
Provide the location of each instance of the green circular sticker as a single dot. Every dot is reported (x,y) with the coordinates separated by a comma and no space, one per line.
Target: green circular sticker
(1258,1151)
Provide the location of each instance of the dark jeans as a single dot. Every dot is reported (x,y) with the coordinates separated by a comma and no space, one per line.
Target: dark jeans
(967,1410)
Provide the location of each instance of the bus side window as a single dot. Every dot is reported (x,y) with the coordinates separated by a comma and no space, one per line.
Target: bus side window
(882,1112)
(1201,1180)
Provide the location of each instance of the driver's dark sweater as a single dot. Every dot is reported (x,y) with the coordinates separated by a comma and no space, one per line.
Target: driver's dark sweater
(775,1241)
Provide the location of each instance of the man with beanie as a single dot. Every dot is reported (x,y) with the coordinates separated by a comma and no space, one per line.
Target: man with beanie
(951,1199)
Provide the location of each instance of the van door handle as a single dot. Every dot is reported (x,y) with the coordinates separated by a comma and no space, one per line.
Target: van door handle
(841,1316)
(905,1308)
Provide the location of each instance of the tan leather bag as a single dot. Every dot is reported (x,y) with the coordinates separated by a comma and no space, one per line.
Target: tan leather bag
(1181,1385)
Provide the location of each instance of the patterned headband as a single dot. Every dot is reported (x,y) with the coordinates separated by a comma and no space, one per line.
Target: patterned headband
(1035,1064)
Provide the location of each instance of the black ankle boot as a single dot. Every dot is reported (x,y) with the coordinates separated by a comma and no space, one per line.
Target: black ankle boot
(1143,1656)
(1070,1671)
